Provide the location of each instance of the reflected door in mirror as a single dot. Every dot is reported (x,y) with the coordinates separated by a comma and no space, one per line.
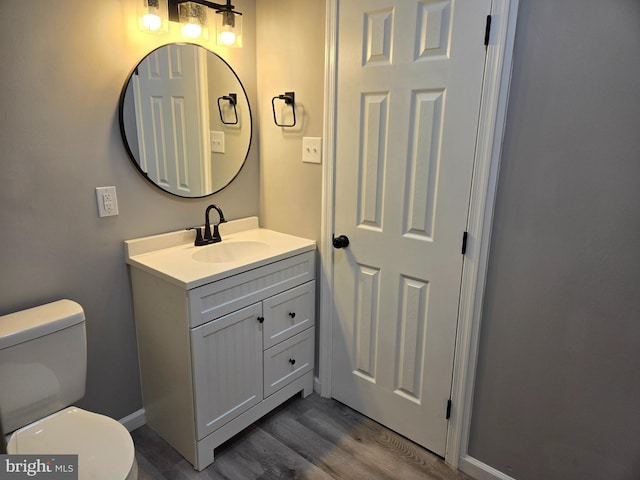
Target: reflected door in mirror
(171,101)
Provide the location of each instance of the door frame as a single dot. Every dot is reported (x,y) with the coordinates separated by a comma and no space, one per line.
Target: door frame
(491,125)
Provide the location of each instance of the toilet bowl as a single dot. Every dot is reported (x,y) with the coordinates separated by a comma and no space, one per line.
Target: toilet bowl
(42,372)
(104,447)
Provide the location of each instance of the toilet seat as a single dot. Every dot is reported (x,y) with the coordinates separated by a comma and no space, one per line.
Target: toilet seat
(104,447)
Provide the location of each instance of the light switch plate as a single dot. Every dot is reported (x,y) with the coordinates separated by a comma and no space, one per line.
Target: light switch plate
(217,141)
(312,149)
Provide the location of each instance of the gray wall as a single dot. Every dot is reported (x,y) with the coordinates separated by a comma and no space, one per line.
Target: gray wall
(558,391)
(63,67)
(290,57)
(290,53)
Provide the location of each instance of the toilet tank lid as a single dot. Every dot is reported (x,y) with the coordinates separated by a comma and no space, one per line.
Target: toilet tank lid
(38,321)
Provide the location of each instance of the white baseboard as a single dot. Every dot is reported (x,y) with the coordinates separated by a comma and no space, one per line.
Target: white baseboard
(481,471)
(316,385)
(134,420)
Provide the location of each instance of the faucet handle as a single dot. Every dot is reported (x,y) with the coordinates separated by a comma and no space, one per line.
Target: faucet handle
(199,241)
(215,238)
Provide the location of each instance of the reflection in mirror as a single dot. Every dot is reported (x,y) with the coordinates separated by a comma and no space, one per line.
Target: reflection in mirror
(185,120)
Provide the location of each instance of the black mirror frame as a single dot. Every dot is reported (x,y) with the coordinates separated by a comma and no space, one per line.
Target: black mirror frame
(124,135)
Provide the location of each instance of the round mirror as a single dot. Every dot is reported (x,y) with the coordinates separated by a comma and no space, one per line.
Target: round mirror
(185,120)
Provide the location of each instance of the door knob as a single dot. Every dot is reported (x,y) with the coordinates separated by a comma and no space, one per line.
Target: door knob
(340,242)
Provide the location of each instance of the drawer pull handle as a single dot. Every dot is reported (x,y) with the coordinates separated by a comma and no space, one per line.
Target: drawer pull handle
(292,314)
(260,319)
(292,361)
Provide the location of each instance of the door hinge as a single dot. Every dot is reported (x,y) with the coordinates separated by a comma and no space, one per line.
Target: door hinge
(464,242)
(448,416)
(487,31)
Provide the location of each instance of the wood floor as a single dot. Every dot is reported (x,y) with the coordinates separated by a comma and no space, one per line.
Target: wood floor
(314,438)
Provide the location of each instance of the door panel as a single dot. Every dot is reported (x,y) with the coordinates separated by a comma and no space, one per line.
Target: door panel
(409,80)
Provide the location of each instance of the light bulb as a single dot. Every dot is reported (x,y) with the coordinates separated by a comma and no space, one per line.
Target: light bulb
(228,38)
(151,21)
(192,30)
(229,29)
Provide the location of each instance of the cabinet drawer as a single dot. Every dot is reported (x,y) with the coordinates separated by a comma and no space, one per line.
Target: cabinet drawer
(235,292)
(287,361)
(288,313)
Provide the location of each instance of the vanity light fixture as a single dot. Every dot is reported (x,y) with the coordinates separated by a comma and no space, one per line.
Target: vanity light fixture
(228,28)
(152,16)
(193,20)
(192,15)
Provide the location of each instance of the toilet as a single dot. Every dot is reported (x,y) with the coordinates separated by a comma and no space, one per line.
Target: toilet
(43,364)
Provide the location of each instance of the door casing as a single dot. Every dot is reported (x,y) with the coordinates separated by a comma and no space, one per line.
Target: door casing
(495,94)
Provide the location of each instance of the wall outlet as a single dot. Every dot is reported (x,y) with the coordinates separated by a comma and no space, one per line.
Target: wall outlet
(312,149)
(107,201)
(217,141)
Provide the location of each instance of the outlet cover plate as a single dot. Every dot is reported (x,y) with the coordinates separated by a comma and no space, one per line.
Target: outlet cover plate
(107,201)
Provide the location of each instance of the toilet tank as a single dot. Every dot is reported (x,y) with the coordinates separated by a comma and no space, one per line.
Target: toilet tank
(43,362)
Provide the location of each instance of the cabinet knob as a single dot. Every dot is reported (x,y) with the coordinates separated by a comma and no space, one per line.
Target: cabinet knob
(260,319)
(292,314)
(292,361)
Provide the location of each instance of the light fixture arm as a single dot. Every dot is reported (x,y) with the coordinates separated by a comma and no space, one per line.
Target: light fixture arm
(218,7)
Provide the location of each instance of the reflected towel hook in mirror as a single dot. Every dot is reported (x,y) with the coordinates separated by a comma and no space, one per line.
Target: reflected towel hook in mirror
(289,99)
(232,98)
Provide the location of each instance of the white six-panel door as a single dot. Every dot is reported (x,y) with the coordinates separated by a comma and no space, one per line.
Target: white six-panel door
(172,112)
(409,78)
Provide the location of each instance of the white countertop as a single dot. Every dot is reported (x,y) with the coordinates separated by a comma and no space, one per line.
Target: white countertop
(171,255)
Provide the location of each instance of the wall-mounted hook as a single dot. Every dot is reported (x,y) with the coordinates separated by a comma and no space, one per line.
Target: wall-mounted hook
(289,99)
(232,98)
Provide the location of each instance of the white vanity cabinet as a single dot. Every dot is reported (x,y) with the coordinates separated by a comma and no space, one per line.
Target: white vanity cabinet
(237,363)
(216,357)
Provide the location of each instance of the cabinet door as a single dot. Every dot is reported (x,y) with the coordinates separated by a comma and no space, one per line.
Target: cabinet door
(227,368)
(289,313)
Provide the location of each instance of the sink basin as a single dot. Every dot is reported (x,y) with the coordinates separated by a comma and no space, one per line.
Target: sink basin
(172,256)
(230,251)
